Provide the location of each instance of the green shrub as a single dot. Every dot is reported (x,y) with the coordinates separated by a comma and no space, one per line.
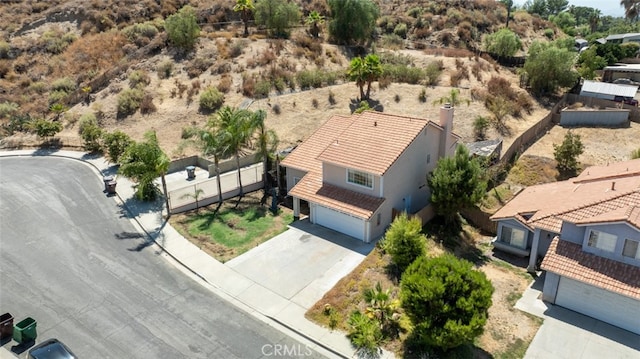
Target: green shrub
(635,154)
(401,30)
(211,99)
(165,69)
(55,42)
(262,89)
(422,97)
(307,79)
(129,101)
(90,132)
(480,126)
(365,334)
(362,107)
(45,128)
(140,33)
(404,241)
(182,28)
(65,84)
(391,41)
(139,78)
(432,73)
(38,87)
(5,48)
(8,108)
(549,33)
(57,96)
(405,74)
(116,143)
(17,123)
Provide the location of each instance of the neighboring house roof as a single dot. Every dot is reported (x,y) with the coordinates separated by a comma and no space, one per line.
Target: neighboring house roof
(581,41)
(623,36)
(587,198)
(632,68)
(304,157)
(569,260)
(311,189)
(374,141)
(609,89)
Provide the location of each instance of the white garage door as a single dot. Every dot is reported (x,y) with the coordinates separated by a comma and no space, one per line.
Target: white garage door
(340,222)
(609,307)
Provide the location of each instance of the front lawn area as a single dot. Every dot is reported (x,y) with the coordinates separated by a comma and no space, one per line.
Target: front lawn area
(232,230)
(508,331)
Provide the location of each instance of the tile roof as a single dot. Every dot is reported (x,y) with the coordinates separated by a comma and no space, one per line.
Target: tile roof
(305,156)
(373,142)
(567,259)
(311,189)
(598,190)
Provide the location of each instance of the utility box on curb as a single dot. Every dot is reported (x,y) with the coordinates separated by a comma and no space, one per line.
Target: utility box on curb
(25,330)
(6,326)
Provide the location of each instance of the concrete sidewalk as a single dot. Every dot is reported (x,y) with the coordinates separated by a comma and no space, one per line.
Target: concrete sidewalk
(256,299)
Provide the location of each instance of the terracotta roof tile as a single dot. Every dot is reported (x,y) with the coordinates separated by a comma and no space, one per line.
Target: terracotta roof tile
(569,260)
(305,156)
(610,171)
(373,142)
(311,189)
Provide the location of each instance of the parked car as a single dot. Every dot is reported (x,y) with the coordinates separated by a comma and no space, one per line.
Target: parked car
(51,349)
(624,81)
(626,100)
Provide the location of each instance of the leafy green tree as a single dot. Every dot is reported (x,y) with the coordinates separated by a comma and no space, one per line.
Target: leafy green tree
(446,299)
(116,143)
(549,67)
(404,241)
(143,162)
(44,128)
(502,43)
(315,20)
(456,183)
(590,62)
(277,15)
(566,154)
(565,21)
(236,128)
(555,7)
(365,334)
(182,28)
(364,71)
(352,21)
(245,8)
(90,132)
(536,7)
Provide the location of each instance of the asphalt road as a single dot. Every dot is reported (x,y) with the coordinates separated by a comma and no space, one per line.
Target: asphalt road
(71,259)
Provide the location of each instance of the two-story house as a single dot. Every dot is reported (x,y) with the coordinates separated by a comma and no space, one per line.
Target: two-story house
(588,229)
(356,171)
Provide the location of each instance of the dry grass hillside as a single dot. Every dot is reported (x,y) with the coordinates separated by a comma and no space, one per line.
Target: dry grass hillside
(87,54)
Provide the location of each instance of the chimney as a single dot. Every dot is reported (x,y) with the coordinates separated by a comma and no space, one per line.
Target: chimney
(613,185)
(446,122)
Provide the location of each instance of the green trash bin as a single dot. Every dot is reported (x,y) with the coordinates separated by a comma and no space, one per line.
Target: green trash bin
(25,330)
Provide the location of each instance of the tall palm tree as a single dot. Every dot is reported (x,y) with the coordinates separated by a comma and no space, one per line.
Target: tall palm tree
(245,8)
(364,71)
(631,9)
(453,99)
(314,20)
(236,129)
(594,20)
(266,141)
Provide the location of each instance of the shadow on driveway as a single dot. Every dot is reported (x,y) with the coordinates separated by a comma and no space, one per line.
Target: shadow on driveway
(332,236)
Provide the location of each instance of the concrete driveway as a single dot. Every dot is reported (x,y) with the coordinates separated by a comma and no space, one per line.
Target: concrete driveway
(566,334)
(302,263)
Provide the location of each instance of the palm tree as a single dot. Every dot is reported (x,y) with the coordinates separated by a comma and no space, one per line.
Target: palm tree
(315,20)
(57,109)
(245,8)
(266,142)
(364,71)
(631,9)
(594,19)
(236,129)
(144,162)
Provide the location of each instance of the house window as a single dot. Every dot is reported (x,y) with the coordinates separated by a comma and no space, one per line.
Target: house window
(602,240)
(296,180)
(514,236)
(631,249)
(360,178)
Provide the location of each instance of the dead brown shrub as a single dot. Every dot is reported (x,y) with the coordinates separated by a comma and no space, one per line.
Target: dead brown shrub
(146,105)
(225,83)
(248,85)
(499,86)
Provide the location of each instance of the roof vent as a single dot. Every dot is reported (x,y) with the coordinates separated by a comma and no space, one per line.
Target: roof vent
(375,123)
(447,105)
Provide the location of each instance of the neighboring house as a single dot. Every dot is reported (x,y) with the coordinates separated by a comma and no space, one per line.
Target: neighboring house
(623,38)
(608,91)
(621,71)
(581,44)
(357,171)
(588,228)
(489,149)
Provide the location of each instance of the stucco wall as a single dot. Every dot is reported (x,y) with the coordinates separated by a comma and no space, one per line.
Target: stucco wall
(515,224)
(623,231)
(337,176)
(572,233)
(293,173)
(550,288)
